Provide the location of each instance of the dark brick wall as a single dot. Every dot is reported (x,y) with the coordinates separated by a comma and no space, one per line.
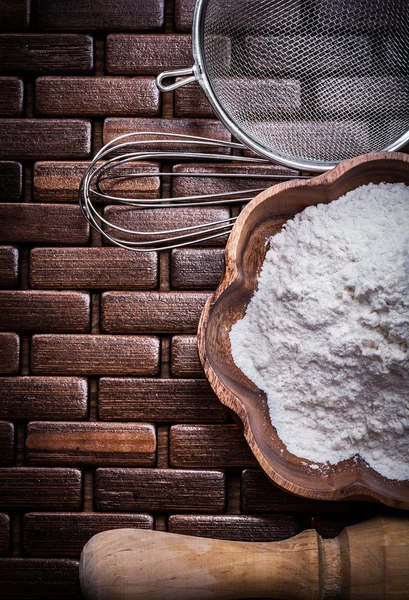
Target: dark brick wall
(101,389)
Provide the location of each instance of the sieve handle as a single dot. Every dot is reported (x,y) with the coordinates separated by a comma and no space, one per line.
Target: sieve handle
(176,73)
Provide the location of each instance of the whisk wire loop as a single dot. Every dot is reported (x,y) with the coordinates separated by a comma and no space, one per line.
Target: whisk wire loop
(106,169)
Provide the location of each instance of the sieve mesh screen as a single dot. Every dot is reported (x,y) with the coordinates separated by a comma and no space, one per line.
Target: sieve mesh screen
(320,80)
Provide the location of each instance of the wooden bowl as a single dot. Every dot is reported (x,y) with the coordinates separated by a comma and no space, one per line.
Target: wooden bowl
(245,252)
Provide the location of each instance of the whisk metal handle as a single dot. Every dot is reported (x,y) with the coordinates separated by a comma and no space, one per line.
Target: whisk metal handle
(176,73)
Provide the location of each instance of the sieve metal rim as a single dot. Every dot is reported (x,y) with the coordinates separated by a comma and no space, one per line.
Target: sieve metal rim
(198,72)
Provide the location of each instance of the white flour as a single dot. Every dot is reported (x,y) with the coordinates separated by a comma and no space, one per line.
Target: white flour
(326,334)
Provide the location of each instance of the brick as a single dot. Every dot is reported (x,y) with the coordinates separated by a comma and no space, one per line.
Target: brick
(6,443)
(11,96)
(209,446)
(191,101)
(185,361)
(165,219)
(156,312)
(147,54)
(97,15)
(211,128)
(60,181)
(4,534)
(65,534)
(260,495)
(184,10)
(48,398)
(46,53)
(238,528)
(40,488)
(11,181)
(360,95)
(9,353)
(159,490)
(15,15)
(44,311)
(193,269)
(43,223)
(25,578)
(97,96)
(8,266)
(192,186)
(96,268)
(90,444)
(162,400)
(44,138)
(95,355)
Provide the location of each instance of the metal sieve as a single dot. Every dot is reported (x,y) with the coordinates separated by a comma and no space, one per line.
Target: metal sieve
(305,83)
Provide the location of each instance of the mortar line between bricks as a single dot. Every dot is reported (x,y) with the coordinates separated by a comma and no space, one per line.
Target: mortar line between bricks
(93,381)
(99,55)
(169,16)
(33,15)
(162,451)
(95,312)
(97,135)
(165,358)
(233,491)
(28,170)
(16,527)
(19,443)
(29,94)
(167,105)
(88,490)
(93,399)
(161,523)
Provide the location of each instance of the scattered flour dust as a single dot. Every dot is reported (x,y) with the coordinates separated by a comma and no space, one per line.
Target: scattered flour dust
(326,334)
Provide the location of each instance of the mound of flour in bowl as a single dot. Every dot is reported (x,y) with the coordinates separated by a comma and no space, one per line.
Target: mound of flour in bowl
(326,334)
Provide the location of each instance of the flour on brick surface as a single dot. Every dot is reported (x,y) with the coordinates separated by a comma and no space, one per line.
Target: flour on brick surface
(326,334)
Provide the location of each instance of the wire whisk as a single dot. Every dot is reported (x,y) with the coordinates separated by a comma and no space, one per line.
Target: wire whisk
(108,166)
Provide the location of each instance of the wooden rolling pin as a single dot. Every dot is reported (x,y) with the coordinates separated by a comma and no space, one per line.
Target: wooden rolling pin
(368,561)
